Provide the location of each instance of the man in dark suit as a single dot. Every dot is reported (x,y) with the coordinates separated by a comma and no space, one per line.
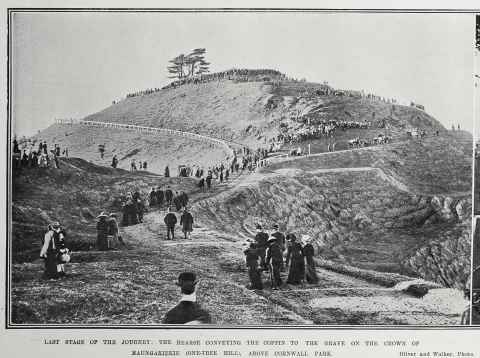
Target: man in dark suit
(274,261)
(170,221)
(261,239)
(160,196)
(187,311)
(280,240)
(168,196)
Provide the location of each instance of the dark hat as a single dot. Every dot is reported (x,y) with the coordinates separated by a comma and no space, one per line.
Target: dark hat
(259,227)
(291,237)
(187,276)
(187,282)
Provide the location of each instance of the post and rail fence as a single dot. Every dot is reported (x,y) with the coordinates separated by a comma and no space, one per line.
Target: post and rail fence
(145,129)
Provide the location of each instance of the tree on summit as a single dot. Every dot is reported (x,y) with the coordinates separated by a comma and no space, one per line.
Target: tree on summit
(192,64)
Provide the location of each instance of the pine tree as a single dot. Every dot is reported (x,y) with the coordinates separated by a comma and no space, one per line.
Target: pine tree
(184,66)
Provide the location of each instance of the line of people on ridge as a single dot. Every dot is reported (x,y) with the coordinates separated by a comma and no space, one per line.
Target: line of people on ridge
(242,75)
(273,253)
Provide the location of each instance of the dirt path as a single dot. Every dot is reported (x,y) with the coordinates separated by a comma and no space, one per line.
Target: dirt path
(337,299)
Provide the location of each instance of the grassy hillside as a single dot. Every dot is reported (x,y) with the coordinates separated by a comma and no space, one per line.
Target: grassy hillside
(74,195)
(251,112)
(435,165)
(157,150)
(222,109)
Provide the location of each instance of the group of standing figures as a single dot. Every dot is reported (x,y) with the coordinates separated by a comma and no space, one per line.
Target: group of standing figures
(275,253)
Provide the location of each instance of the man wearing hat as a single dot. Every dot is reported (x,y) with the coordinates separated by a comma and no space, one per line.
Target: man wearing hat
(261,239)
(159,196)
(251,259)
(187,311)
(152,198)
(280,240)
(170,221)
(102,232)
(274,261)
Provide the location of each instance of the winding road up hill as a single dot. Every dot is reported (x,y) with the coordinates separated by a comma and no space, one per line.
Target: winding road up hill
(377,214)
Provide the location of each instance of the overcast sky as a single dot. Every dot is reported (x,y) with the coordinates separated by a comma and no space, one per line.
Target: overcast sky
(73,64)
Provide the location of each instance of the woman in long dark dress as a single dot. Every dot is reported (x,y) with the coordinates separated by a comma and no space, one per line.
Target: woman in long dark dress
(310,272)
(296,273)
(52,247)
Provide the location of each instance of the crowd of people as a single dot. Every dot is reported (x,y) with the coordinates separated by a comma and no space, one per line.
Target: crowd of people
(240,75)
(276,252)
(141,93)
(29,155)
(313,131)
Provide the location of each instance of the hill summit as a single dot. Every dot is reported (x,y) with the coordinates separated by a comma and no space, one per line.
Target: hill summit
(256,107)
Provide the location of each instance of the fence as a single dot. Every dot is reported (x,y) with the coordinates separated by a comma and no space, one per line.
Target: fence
(149,130)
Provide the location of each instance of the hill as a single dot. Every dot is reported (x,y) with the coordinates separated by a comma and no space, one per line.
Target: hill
(74,194)
(159,150)
(403,208)
(380,215)
(252,113)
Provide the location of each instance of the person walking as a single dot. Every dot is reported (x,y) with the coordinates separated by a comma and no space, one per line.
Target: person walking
(187,311)
(261,239)
(209,180)
(251,260)
(102,232)
(274,261)
(53,248)
(201,184)
(170,221)
(297,263)
(152,198)
(177,201)
(114,161)
(113,231)
(281,242)
(309,253)
(168,196)
(186,220)
(159,196)
(167,172)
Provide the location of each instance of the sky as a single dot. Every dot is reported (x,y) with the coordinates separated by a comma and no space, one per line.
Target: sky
(69,65)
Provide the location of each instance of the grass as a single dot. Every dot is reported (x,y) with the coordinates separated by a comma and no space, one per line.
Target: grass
(157,150)
(435,166)
(74,195)
(239,111)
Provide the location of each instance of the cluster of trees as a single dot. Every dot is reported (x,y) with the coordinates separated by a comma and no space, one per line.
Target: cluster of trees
(189,65)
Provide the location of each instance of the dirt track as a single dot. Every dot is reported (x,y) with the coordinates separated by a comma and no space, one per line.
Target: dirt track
(337,299)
